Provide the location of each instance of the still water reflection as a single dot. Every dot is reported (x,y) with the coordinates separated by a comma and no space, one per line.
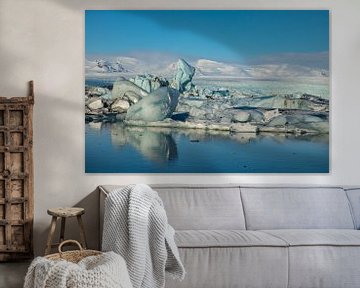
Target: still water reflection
(117,148)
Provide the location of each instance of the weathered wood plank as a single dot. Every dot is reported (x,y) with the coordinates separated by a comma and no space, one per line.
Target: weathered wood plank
(16,177)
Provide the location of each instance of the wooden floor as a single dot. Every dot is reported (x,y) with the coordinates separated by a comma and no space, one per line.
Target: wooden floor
(12,274)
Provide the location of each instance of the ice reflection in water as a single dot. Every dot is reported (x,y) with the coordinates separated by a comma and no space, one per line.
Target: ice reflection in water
(155,144)
(115,147)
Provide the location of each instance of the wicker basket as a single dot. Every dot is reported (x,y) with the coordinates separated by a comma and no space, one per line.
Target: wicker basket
(72,256)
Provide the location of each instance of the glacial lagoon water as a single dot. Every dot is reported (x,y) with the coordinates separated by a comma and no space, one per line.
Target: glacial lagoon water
(117,148)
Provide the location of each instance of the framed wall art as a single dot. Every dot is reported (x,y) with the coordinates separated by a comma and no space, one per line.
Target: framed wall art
(207,91)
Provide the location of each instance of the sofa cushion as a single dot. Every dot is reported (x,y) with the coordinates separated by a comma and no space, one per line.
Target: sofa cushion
(322,258)
(226,238)
(296,208)
(224,267)
(315,237)
(324,266)
(204,208)
(191,207)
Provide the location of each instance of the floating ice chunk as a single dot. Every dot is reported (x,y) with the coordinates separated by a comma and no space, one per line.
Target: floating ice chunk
(312,103)
(120,105)
(301,121)
(122,86)
(95,103)
(241,116)
(157,106)
(149,82)
(132,97)
(183,76)
(247,115)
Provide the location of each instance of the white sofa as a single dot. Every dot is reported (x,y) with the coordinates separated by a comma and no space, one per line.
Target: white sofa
(264,237)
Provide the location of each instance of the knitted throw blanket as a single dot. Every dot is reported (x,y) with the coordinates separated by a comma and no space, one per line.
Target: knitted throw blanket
(136,227)
(103,271)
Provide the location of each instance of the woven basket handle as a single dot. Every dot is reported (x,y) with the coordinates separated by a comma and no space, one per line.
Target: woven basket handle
(69,241)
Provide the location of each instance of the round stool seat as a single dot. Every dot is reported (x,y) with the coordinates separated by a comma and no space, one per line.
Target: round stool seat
(66,211)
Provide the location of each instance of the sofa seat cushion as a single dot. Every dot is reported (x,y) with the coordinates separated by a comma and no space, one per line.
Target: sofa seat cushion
(323,258)
(233,267)
(317,237)
(225,238)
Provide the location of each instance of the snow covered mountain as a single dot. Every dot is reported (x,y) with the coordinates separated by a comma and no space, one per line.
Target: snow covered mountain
(127,66)
(105,66)
(207,67)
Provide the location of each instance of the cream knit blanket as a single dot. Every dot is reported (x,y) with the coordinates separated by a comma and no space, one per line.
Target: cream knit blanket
(103,271)
(136,227)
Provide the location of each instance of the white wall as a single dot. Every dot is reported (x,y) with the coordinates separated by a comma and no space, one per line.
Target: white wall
(43,40)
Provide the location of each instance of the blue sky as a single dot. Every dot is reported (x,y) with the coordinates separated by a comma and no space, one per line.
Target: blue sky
(231,36)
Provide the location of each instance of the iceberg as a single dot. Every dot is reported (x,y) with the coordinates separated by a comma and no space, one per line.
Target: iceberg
(149,83)
(183,77)
(157,106)
(122,86)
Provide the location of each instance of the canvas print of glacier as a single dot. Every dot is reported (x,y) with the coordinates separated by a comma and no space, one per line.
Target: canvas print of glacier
(207,91)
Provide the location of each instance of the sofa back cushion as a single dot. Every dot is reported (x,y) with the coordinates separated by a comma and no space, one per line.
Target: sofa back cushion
(296,208)
(354,198)
(202,207)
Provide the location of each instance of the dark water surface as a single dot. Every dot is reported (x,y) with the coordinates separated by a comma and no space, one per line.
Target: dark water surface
(116,148)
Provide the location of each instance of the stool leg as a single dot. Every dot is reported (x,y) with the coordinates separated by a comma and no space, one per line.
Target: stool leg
(82,232)
(51,235)
(62,230)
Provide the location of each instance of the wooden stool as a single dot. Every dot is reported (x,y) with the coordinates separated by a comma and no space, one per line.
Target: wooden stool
(64,213)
